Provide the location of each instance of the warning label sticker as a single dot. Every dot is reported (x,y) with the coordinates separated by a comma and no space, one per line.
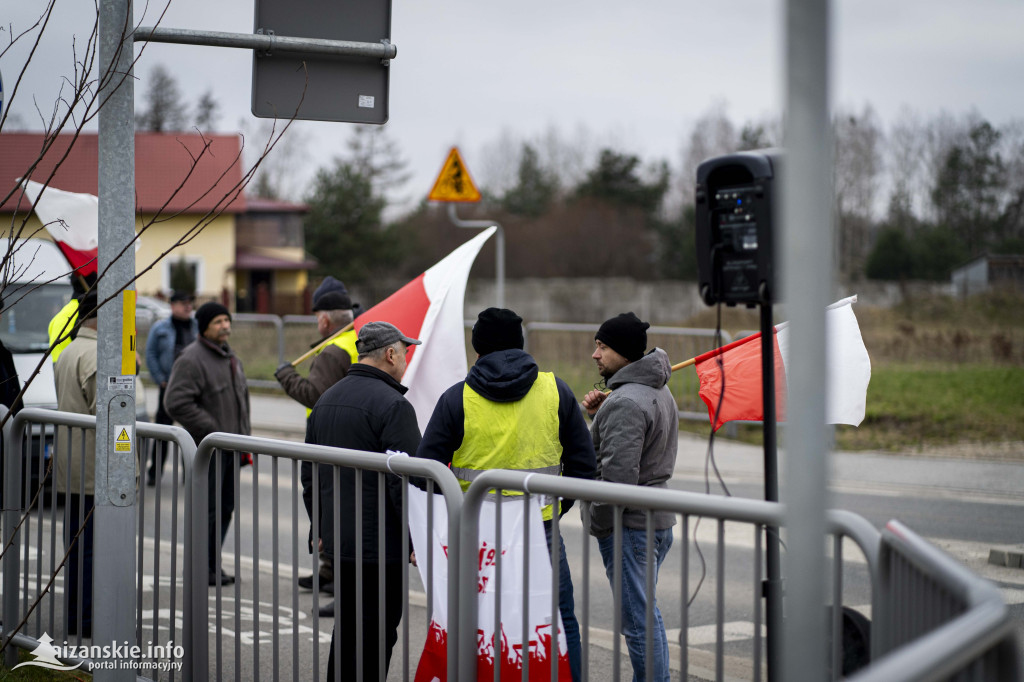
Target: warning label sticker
(123,440)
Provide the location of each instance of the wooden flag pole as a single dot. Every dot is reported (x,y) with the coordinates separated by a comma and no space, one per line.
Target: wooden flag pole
(684,363)
(313,351)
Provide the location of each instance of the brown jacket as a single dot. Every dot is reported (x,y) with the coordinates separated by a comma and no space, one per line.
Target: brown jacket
(207,391)
(75,378)
(328,368)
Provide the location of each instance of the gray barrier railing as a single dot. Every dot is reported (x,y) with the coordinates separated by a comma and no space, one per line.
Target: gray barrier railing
(935,620)
(38,519)
(762,515)
(200,666)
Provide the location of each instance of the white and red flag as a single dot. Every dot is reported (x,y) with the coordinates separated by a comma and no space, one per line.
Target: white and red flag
(72,219)
(517,642)
(847,364)
(430,308)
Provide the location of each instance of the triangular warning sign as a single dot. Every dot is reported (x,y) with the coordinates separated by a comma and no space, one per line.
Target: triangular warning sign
(123,437)
(454,183)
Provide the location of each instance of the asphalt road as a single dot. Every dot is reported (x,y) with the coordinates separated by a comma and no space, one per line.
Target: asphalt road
(966,507)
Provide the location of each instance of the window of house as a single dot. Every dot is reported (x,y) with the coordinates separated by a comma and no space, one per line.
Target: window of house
(179,272)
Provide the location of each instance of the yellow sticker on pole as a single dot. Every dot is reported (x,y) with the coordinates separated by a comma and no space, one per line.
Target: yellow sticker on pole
(123,439)
(454,183)
(128,334)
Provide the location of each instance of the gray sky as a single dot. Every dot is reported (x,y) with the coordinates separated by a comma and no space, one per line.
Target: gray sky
(631,75)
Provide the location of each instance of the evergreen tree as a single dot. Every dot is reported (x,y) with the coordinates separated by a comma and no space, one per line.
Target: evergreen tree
(164,110)
(535,189)
(207,112)
(344,227)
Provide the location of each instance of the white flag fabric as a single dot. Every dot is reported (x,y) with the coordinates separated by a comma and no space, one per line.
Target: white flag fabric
(846,360)
(509,656)
(72,219)
(431,308)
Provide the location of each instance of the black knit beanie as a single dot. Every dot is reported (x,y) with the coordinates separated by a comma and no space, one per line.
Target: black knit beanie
(331,295)
(625,334)
(208,311)
(497,329)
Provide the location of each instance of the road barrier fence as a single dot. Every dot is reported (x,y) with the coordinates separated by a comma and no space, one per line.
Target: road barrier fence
(931,618)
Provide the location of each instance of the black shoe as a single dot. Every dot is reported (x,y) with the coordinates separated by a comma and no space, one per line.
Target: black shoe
(306,583)
(225,579)
(150,480)
(327,610)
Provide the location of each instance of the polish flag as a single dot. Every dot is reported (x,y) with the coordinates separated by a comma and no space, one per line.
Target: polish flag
(431,308)
(72,219)
(847,364)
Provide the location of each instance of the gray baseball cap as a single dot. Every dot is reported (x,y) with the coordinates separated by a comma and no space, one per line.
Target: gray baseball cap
(374,335)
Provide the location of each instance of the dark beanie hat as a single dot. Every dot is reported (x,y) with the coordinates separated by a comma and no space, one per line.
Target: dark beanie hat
(331,295)
(208,311)
(87,303)
(497,329)
(625,334)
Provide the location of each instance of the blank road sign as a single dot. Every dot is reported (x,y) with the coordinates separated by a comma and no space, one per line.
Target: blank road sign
(348,89)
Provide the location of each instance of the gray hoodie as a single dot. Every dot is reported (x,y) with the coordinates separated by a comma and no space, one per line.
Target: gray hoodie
(636,434)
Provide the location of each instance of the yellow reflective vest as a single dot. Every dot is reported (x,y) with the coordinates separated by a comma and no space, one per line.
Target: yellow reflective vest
(346,342)
(520,435)
(60,326)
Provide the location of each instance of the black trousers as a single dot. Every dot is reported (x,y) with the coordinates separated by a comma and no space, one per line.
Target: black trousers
(79,561)
(226,484)
(346,626)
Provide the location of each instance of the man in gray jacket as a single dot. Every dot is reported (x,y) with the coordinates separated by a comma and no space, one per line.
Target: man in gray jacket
(636,433)
(205,393)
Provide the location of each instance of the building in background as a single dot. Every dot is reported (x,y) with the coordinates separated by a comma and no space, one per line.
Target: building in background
(1002,272)
(230,256)
(271,263)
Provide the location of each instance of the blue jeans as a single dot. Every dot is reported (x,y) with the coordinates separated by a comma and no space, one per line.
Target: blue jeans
(634,597)
(567,607)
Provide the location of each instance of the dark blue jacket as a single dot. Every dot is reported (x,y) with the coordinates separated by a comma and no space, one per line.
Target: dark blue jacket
(507,376)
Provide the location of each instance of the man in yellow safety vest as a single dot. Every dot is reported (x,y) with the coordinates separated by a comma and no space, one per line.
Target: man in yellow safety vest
(508,414)
(333,309)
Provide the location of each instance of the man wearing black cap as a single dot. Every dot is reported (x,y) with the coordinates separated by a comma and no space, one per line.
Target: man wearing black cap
(367,410)
(636,433)
(509,415)
(167,338)
(74,467)
(333,309)
(207,392)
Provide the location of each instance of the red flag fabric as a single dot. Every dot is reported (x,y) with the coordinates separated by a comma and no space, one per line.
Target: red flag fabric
(431,308)
(740,392)
(72,219)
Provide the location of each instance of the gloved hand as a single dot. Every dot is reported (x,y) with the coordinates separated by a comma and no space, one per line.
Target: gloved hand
(283,367)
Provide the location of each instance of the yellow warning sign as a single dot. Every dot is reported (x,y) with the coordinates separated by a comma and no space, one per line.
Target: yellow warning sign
(454,183)
(128,336)
(123,442)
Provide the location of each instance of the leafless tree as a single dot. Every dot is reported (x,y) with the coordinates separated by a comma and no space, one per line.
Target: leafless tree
(857,168)
(76,106)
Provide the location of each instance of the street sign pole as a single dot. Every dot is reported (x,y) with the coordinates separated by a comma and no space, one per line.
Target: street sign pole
(114,606)
(454,185)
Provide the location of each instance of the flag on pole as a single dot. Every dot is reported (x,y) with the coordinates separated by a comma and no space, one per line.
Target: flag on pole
(72,219)
(847,364)
(430,308)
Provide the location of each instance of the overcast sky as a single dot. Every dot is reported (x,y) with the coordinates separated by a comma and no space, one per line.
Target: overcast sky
(634,75)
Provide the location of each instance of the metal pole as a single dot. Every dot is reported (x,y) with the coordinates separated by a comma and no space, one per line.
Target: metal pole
(807,270)
(773,567)
(499,251)
(266,42)
(113,556)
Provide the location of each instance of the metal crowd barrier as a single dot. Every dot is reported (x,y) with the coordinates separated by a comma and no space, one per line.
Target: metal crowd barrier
(690,506)
(935,620)
(251,486)
(39,585)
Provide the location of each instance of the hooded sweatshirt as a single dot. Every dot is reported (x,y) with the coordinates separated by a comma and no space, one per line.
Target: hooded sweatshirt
(507,376)
(636,434)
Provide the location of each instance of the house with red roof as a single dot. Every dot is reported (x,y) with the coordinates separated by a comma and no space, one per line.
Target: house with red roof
(191,210)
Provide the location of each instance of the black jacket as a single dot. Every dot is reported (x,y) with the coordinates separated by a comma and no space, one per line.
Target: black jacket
(507,376)
(366,410)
